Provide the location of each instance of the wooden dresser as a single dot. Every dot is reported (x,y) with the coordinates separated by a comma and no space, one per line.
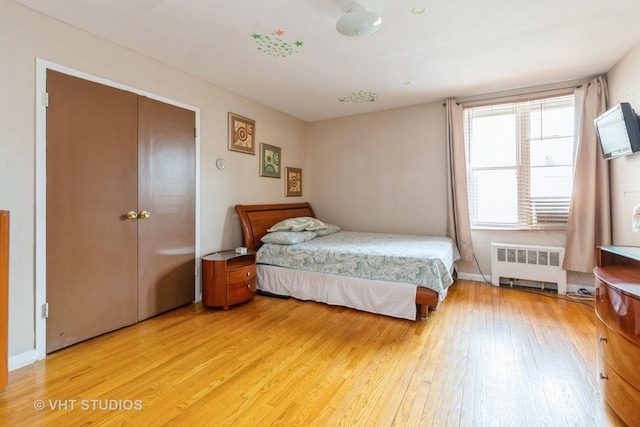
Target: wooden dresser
(618,329)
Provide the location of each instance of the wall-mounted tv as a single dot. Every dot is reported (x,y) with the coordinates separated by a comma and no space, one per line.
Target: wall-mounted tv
(618,131)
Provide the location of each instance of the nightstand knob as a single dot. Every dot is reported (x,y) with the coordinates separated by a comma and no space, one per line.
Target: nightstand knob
(248,274)
(603,338)
(603,376)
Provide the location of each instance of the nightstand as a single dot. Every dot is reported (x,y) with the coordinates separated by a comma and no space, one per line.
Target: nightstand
(228,278)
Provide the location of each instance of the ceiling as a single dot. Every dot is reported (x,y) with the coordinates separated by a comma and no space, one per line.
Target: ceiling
(288,55)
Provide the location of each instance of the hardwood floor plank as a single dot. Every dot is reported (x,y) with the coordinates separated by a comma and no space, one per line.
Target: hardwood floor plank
(488,357)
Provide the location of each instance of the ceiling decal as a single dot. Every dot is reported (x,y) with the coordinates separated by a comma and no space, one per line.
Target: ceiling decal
(275,45)
(360,96)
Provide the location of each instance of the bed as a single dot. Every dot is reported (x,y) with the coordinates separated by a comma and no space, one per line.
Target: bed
(408,283)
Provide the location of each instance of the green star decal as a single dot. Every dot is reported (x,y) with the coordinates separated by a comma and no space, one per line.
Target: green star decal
(360,96)
(274,44)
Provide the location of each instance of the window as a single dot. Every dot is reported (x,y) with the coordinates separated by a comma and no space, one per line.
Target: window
(520,163)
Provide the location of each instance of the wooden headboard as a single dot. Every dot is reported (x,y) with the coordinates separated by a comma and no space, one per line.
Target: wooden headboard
(256,219)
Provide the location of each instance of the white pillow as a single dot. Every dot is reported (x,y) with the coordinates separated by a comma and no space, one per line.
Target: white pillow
(329,230)
(288,237)
(302,223)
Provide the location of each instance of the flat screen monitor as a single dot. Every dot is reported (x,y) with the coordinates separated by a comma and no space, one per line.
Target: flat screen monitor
(618,131)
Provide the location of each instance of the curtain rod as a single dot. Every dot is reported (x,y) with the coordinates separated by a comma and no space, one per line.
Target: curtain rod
(495,98)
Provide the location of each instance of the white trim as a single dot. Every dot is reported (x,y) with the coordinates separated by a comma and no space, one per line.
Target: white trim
(571,287)
(41,192)
(474,277)
(41,212)
(22,359)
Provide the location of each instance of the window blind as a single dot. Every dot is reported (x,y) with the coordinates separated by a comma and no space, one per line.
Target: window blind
(520,163)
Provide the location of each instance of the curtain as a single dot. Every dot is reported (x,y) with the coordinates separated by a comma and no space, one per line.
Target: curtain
(589,223)
(458,225)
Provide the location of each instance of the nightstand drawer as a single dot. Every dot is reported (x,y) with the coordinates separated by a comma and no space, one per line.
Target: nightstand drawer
(241,275)
(240,292)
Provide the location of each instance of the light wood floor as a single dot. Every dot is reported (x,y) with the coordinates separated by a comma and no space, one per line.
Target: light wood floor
(488,357)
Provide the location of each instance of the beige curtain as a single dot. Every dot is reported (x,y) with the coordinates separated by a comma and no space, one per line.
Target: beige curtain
(589,223)
(458,225)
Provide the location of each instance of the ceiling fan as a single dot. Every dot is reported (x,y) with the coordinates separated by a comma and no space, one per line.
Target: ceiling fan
(359,22)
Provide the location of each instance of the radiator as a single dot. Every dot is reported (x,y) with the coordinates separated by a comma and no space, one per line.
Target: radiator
(528,262)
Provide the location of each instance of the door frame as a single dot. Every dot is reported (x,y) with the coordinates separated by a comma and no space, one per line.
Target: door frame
(41,188)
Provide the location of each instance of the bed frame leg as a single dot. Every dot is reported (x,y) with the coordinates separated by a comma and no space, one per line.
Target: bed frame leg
(423,311)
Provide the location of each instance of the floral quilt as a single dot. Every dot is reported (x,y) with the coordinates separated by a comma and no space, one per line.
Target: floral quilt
(420,260)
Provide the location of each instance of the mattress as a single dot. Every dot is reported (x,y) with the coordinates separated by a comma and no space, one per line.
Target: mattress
(408,259)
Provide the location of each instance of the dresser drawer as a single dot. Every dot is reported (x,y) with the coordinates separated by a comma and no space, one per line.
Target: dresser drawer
(620,354)
(617,308)
(241,292)
(241,274)
(619,394)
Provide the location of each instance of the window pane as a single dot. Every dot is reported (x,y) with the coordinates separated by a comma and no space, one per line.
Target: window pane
(493,138)
(547,152)
(496,196)
(550,119)
(554,181)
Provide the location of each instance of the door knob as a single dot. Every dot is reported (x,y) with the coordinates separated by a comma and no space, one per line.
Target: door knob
(144,214)
(132,215)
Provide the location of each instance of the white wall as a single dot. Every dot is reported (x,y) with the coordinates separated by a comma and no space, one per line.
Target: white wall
(27,35)
(382,171)
(624,86)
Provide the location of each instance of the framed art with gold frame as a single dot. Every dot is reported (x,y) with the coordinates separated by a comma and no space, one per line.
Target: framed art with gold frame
(293,182)
(242,134)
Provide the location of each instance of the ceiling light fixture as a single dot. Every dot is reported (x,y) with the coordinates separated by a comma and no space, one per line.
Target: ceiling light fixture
(359,22)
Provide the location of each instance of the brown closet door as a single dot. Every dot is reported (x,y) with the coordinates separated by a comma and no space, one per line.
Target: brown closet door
(166,244)
(91,185)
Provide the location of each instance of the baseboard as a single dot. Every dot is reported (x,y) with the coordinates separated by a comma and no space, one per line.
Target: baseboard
(23,359)
(474,277)
(571,287)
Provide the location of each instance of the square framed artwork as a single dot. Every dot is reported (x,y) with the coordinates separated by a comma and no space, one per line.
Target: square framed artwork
(242,134)
(270,161)
(293,181)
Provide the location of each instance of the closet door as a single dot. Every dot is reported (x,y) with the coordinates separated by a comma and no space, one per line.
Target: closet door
(92,163)
(120,209)
(166,237)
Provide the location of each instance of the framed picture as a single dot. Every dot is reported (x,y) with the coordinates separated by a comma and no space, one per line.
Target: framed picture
(242,134)
(293,182)
(270,161)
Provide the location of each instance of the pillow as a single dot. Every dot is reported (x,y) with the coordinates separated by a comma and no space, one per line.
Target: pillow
(288,237)
(302,223)
(329,230)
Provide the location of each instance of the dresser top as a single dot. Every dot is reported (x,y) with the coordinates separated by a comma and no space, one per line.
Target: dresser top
(632,252)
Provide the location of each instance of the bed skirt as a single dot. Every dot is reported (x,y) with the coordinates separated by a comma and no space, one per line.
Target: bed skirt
(388,298)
